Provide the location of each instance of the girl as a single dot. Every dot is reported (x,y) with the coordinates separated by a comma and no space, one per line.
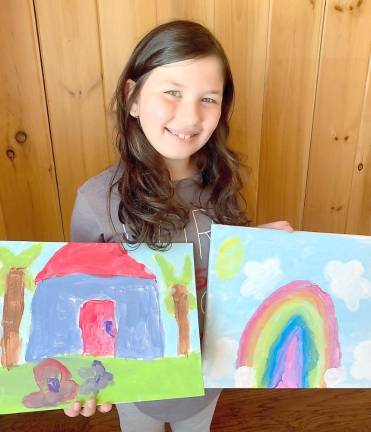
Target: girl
(175,176)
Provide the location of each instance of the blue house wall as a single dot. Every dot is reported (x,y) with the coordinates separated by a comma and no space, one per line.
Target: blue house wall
(56,307)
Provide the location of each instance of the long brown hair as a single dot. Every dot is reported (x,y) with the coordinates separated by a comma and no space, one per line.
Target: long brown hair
(147,201)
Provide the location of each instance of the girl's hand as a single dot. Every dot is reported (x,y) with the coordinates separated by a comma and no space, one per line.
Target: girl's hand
(279,225)
(89,408)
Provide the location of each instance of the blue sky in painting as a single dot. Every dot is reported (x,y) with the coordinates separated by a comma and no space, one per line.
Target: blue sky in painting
(339,264)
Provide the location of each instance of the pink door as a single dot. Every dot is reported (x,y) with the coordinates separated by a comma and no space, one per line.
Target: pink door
(98,327)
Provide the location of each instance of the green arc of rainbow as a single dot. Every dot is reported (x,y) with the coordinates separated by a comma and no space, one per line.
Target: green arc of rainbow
(292,338)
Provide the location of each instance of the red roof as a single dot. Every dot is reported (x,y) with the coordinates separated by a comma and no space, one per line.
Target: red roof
(99,259)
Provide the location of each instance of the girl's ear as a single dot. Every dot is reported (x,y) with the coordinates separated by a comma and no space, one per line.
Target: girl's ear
(129,88)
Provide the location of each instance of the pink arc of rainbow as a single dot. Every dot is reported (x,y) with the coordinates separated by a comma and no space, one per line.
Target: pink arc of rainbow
(298,301)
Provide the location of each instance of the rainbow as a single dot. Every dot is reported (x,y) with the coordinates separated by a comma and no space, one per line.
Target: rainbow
(292,338)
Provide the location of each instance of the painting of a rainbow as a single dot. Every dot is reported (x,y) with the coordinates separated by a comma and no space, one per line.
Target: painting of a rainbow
(82,320)
(287,310)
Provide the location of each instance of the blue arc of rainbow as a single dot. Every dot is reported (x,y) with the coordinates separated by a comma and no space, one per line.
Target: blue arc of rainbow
(292,338)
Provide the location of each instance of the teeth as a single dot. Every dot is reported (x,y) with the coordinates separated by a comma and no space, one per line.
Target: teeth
(181,136)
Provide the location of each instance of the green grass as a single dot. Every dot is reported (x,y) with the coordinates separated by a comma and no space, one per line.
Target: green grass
(134,380)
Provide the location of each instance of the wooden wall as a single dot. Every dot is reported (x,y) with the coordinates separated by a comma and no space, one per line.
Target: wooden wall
(302,117)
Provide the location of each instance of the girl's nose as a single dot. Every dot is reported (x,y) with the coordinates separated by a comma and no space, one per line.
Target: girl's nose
(188,113)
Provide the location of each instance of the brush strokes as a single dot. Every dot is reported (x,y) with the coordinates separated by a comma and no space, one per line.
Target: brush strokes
(55,383)
(14,277)
(78,320)
(287,310)
(292,338)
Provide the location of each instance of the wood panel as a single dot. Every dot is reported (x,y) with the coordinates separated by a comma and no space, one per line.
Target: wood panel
(359,212)
(122,23)
(300,71)
(241,27)
(261,410)
(2,225)
(340,96)
(293,53)
(198,10)
(28,193)
(69,40)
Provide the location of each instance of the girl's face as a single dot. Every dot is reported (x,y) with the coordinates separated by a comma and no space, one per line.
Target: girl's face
(179,108)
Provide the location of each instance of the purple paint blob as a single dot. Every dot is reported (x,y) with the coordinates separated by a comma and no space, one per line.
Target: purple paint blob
(54,384)
(108,327)
(97,378)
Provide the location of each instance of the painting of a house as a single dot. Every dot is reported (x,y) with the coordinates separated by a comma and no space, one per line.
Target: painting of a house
(89,313)
(82,320)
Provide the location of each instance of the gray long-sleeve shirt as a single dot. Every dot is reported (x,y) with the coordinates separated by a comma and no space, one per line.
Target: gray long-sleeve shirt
(95,219)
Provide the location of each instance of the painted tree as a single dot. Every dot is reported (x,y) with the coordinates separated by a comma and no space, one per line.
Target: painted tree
(178,299)
(15,276)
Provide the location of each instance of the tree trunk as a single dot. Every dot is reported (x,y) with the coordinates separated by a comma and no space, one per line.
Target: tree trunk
(181,307)
(12,316)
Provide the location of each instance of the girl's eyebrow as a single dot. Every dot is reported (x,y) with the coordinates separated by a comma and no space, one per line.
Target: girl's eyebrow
(173,83)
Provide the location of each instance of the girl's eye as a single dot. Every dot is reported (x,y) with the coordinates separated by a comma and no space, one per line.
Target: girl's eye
(175,93)
(208,100)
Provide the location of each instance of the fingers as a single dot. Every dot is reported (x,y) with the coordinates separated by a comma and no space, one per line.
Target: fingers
(279,225)
(74,410)
(285,226)
(88,410)
(104,408)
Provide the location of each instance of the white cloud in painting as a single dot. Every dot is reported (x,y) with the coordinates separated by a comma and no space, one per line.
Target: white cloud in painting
(261,277)
(334,376)
(221,362)
(361,361)
(244,377)
(347,282)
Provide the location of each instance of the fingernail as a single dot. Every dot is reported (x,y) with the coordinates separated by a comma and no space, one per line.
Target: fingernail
(76,406)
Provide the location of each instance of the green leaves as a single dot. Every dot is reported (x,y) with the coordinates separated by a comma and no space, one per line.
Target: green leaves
(7,257)
(28,256)
(170,278)
(186,277)
(24,259)
(167,269)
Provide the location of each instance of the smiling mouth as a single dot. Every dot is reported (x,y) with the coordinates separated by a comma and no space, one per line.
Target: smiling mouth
(184,137)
